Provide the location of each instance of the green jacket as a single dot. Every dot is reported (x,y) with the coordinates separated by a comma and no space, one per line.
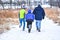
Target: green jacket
(22,13)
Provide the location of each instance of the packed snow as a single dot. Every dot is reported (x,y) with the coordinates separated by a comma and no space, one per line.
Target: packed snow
(49,31)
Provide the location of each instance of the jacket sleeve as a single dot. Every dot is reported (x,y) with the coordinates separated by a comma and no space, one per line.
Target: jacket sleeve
(43,13)
(34,11)
(24,13)
(19,14)
(33,16)
(26,16)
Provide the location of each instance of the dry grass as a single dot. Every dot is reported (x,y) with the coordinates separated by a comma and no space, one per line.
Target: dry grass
(5,22)
(9,13)
(53,14)
(4,28)
(11,17)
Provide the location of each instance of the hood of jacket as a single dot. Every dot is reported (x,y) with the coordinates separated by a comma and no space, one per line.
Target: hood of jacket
(39,6)
(29,11)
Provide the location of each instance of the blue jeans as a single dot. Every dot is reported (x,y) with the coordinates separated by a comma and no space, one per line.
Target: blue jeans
(22,20)
(38,24)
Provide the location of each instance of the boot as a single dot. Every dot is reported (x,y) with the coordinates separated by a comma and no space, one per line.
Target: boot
(29,30)
(19,26)
(23,28)
(39,30)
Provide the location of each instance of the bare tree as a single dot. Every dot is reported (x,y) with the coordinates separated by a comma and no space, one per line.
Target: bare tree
(10,3)
(59,3)
(55,3)
(19,3)
(2,4)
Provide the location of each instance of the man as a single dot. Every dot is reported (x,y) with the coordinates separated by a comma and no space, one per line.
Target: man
(22,18)
(39,15)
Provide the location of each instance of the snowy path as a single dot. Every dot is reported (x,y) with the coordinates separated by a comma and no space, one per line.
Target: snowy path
(49,31)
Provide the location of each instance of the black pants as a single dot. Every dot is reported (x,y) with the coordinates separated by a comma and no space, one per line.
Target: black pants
(29,25)
(29,22)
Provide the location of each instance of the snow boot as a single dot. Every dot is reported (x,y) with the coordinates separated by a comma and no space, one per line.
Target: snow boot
(19,26)
(23,28)
(39,30)
(29,30)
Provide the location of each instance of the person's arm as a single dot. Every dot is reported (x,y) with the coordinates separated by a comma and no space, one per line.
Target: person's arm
(34,11)
(25,16)
(19,15)
(24,13)
(33,16)
(43,14)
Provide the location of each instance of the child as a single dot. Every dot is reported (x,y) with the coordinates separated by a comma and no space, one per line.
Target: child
(29,19)
(22,17)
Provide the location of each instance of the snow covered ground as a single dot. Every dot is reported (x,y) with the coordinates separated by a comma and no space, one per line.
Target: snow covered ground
(49,31)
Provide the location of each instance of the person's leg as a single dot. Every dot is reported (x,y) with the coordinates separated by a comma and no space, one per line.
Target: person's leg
(20,22)
(30,26)
(39,25)
(30,23)
(23,24)
(27,24)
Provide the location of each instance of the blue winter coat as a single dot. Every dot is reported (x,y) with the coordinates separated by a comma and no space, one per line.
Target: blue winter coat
(29,15)
(39,13)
